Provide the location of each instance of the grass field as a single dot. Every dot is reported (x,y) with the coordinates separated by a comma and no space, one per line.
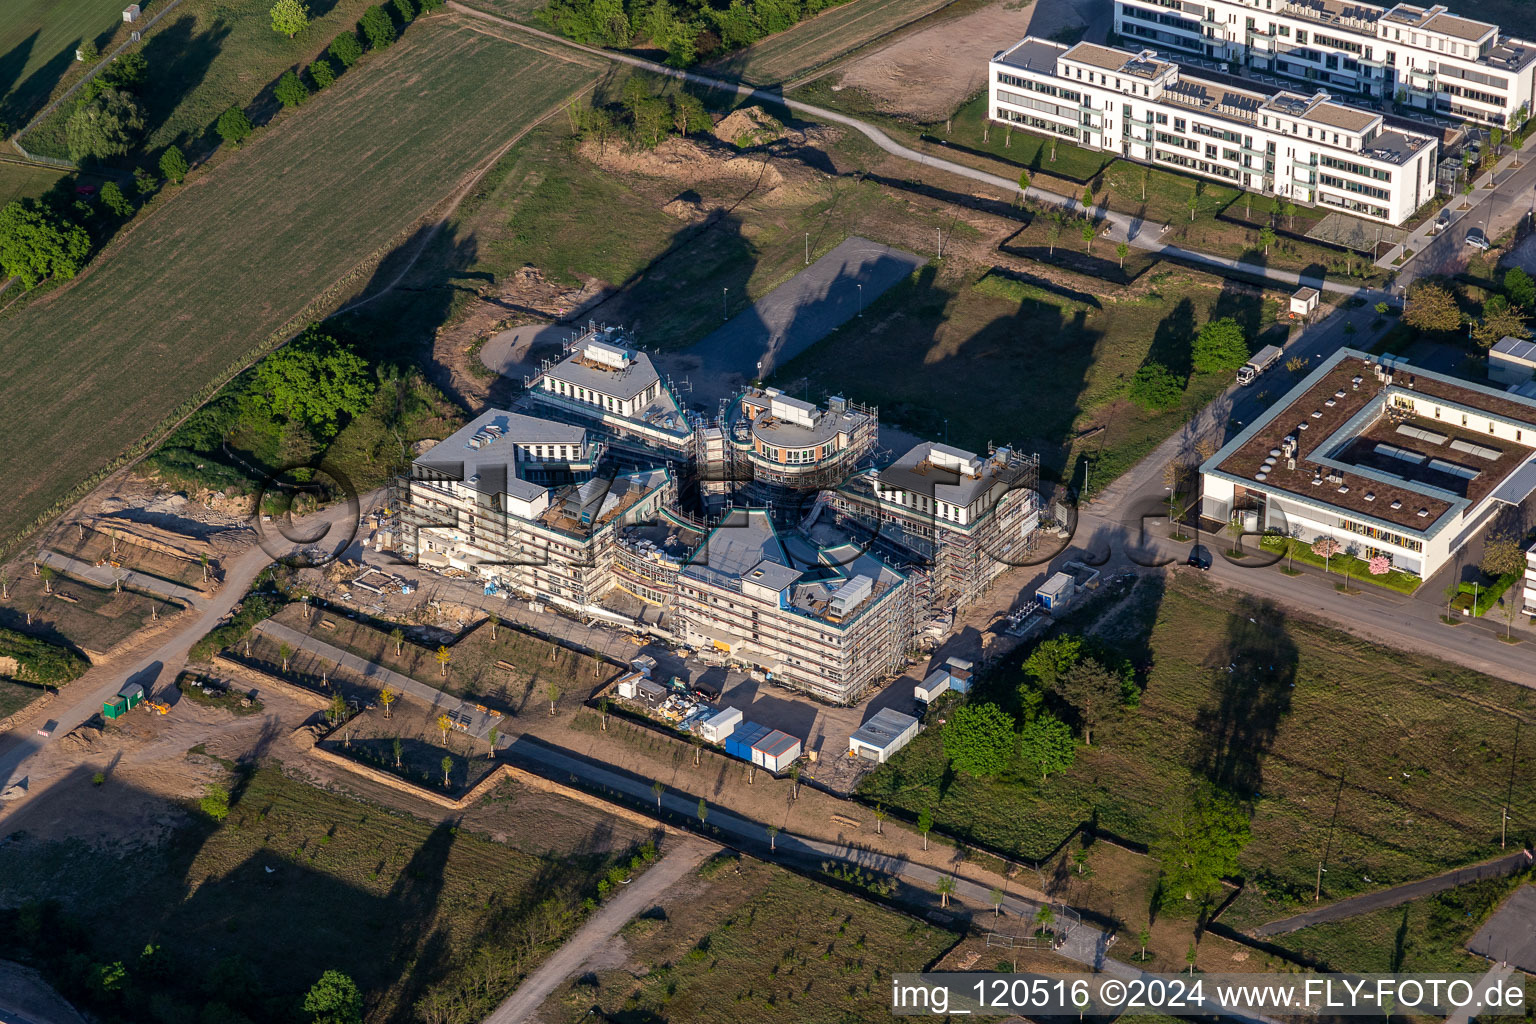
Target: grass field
(23,181)
(761,945)
(974,342)
(14,696)
(293,882)
(812,44)
(1416,754)
(201,285)
(37,47)
(1419,937)
(204,57)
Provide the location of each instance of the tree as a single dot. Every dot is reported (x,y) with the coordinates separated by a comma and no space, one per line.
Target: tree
(1121,252)
(1325,547)
(1452,589)
(113,199)
(794,781)
(443,656)
(398,748)
(689,115)
(1380,565)
(1432,307)
(925,824)
(334,999)
(447,768)
(37,244)
(946,888)
(322,73)
(1500,321)
(314,381)
(1142,938)
(773,837)
(87,51)
(494,621)
(173,164)
(377,27)
(1045,917)
(1198,842)
(444,723)
(1502,556)
(397,636)
(290,89)
(1519,288)
(1190,957)
(978,739)
(284,652)
(1194,206)
(346,49)
(233,126)
(1289,209)
(106,125)
(879,818)
(406,9)
(703,811)
(215,802)
(1154,387)
(656,790)
(1093,691)
(289,17)
(491,739)
(1046,746)
(387,697)
(554,694)
(1051,658)
(1220,347)
(1087,234)
(338,712)
(1087,198)
(144,183)
(1266,238)
(1052,235)
(46,572)
(996,898)
(1023,184)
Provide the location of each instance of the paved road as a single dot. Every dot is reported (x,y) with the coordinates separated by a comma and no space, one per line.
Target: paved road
(480,722)
(1509,936)
(1398,894)
(638,896)
(1119,227)
(106,576)
(1496,974)
(159,667)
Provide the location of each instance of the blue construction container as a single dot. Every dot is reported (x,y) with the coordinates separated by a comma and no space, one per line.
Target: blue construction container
(739,742)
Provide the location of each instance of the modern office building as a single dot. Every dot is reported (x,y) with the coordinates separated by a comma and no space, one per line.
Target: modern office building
(829,622)
(513,500)
(1530,581)
(968,517)
(1423,57)
(1385,458)
(1308,148)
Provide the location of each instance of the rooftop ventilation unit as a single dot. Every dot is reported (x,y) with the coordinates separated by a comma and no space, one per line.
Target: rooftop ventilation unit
(1481,451)
(849,596)
(1392,451)
(1420,434)
(1454,469)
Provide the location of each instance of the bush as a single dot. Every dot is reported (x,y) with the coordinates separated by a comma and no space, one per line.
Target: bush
(406,9)
(290,90)
(346,49)
(173,165)
(1155,388)
(253,609)
(113,199)
(322,74)
(215,803)
(1220,347)
(233,126)
(377,27)
(38,661)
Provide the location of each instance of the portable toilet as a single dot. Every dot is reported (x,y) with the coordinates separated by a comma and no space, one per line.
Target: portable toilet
(117,707)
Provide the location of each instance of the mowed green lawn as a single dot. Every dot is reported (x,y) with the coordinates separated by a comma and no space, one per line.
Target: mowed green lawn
(1414,753)
(37,46)
(200,285)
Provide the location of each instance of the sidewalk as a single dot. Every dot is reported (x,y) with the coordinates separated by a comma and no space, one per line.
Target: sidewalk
(107,577)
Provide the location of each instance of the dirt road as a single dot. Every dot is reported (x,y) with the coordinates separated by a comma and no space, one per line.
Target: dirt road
(638,896)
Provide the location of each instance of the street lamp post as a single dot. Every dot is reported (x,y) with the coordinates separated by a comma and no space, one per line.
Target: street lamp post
(725,304)
(861,299)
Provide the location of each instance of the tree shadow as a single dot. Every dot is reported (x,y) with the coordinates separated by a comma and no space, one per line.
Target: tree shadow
(179,58)
(23,103)
(1173,339)
(11,65)
(1252,676)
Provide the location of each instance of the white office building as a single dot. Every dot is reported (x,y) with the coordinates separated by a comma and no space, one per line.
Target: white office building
(1311,149)
(1423,57)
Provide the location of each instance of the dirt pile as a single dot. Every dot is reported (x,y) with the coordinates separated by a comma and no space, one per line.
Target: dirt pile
(748,127)
(82,738)
(688,207)
(683,160)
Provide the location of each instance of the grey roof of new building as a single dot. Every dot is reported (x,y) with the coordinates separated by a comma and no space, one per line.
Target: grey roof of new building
(490,467)
(915,472)
(1515,348)
(1032,55)
(622,384)
(742,542)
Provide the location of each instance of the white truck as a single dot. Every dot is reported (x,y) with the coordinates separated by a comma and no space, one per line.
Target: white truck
(1262,360)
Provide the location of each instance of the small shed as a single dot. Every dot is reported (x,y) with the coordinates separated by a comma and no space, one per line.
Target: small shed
(117,707)
(1056,592)
(936,683)
(1512,361)
(629,685)
(739,742)
(718,726)
(133,694)
(880,737)
(960,679)
(131,14)
(1304,303)
(776,751)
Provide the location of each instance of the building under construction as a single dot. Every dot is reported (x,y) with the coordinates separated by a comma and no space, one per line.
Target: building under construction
(968,519)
